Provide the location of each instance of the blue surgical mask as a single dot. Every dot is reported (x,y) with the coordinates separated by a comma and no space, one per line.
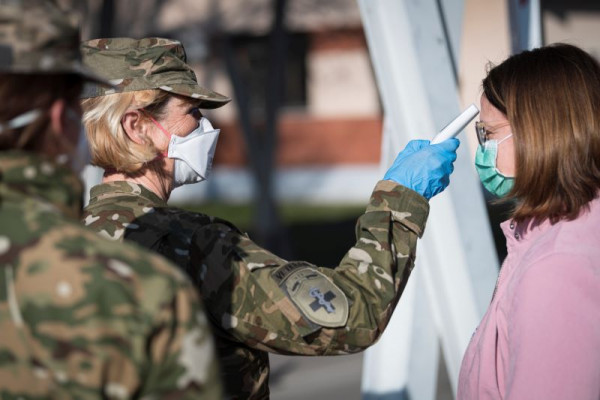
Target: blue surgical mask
(485,163)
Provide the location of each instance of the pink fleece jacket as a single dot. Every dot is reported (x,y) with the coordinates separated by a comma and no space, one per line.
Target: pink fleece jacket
(540,337)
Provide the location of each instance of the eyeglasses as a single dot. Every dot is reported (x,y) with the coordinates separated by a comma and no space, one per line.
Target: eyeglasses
(482,132)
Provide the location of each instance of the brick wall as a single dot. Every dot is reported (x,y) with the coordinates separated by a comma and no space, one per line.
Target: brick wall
(310,142)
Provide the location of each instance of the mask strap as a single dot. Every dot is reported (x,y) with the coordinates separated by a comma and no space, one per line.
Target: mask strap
(505,138)
(163,130)
(496,165)
(20,121)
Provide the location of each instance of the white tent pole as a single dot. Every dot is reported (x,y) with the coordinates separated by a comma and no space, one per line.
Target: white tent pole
(456,259)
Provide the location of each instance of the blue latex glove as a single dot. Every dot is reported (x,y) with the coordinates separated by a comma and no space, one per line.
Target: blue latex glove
(424,168)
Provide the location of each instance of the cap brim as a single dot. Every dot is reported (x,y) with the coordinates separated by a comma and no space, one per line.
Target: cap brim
(90,76)
(208,98)
(76,68)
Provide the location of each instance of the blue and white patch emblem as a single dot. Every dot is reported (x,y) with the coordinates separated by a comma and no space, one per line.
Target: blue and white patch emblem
(321,300)
(317,297)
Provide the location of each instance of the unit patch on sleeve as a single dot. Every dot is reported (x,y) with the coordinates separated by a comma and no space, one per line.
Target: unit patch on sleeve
(317,297)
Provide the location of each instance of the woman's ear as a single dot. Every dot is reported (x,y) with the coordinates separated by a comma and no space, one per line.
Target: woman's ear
(134,126)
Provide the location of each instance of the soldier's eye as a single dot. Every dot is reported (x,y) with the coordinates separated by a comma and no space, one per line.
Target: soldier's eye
(195,111)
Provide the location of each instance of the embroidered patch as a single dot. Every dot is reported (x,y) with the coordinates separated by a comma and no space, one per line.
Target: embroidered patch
(319,299)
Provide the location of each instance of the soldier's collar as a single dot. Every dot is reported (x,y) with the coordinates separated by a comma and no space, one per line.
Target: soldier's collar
(119,188)
(36,176)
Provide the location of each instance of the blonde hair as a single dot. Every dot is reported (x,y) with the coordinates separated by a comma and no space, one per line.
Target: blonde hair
(110,146)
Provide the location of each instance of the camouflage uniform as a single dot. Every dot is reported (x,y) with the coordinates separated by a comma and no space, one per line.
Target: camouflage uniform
(82,317)
(257,301)
(85,318)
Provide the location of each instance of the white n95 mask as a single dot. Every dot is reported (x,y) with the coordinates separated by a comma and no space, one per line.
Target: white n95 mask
(193,154)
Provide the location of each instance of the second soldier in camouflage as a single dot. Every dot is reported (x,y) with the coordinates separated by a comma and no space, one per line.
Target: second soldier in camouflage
(80,317)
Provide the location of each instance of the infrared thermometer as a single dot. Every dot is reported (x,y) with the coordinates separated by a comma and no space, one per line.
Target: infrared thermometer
(457,125)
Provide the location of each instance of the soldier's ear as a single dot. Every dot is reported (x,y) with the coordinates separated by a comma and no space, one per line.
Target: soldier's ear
(134,126)
(65,120)
(65,124)
(58,117)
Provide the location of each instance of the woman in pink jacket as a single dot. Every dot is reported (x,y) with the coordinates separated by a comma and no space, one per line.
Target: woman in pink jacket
(539,138)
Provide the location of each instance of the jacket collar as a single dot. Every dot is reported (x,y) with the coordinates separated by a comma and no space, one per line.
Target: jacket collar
(125,188)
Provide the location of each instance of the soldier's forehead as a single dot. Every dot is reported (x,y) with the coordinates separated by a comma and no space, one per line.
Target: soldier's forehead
(182,101)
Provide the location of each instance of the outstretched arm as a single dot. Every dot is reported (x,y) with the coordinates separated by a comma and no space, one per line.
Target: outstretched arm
(299,308)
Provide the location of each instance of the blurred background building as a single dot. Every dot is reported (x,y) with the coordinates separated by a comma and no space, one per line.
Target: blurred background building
(305,124)
(329,118)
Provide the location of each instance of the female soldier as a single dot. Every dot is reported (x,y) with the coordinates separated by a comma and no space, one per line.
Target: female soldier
(539,141)
(150,137)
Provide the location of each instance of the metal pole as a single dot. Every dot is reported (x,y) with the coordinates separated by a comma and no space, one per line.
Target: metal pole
(525,24)
(412,56)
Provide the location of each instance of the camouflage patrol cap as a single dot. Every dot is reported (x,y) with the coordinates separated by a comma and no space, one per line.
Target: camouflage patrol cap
(149,63)
(36,37)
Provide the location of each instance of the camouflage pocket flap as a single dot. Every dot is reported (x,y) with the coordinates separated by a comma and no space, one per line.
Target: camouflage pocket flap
(317,297)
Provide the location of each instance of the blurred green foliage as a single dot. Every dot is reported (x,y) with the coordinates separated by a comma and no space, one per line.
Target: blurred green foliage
(290,213)
(320,234)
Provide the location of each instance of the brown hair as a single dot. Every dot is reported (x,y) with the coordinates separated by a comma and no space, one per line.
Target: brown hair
(110,146)
(551,97)
(25,92)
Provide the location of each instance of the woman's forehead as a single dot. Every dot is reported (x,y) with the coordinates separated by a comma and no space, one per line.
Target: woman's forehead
(489,112)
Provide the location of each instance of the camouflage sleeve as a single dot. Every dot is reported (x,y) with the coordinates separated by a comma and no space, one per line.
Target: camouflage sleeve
(298,308)
(180,353)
